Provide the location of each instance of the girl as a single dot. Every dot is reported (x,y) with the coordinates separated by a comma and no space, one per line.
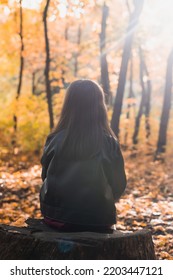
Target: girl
(82,165)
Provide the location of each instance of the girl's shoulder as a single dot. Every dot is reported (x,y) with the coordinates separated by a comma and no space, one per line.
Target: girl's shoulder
(54,136)
(112,145)
(111,141)
(53,140)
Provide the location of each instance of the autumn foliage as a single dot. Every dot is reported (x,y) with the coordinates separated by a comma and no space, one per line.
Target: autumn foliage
(84,42)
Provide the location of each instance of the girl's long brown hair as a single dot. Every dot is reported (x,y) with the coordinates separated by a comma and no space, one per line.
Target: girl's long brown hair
(84,119)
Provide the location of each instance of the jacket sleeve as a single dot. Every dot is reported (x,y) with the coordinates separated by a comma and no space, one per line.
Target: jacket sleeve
(47,155)
(115,171)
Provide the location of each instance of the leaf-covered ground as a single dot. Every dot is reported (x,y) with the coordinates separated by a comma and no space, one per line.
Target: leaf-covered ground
(147,202)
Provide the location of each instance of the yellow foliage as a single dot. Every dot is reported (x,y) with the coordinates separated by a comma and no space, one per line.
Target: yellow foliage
(33,122)
(3,2)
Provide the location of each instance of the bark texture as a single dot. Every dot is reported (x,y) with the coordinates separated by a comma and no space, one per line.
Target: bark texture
(77,54)
(134,17)
(161,143)
(103,57)
(131,96)
(38,241)
(19,87)
(47,67)
(144,107)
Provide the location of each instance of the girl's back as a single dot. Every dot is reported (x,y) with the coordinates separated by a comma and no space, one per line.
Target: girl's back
(83,174)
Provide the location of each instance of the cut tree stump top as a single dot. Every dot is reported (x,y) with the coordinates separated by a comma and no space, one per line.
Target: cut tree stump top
(38,241)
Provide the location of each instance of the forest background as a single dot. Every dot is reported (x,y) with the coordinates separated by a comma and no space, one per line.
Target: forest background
(127,47)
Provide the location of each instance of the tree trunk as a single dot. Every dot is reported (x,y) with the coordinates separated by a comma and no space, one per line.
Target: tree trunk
(38,242)
(33,83)
(148,103)
(143,99)
(47,67)
(161,144)
(78,52)
(15,120)
(130,96)
(134,17)
(103,58)
(63,71)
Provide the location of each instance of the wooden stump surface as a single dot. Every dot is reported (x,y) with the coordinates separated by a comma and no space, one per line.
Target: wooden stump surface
(38,241)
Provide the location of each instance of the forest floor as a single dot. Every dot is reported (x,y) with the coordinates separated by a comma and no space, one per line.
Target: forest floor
(146,203)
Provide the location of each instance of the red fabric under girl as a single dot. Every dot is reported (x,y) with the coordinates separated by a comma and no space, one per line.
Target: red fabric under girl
(71,227)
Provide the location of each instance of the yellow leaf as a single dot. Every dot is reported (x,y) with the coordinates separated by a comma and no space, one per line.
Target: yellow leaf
(3,2)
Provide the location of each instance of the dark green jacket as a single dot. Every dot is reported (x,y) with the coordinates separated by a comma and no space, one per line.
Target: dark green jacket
(82,191)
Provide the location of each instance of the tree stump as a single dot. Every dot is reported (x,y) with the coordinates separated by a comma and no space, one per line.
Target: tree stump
(38,241)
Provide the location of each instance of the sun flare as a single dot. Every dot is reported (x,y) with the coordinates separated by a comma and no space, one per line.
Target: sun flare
(157,19)
(30,4)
